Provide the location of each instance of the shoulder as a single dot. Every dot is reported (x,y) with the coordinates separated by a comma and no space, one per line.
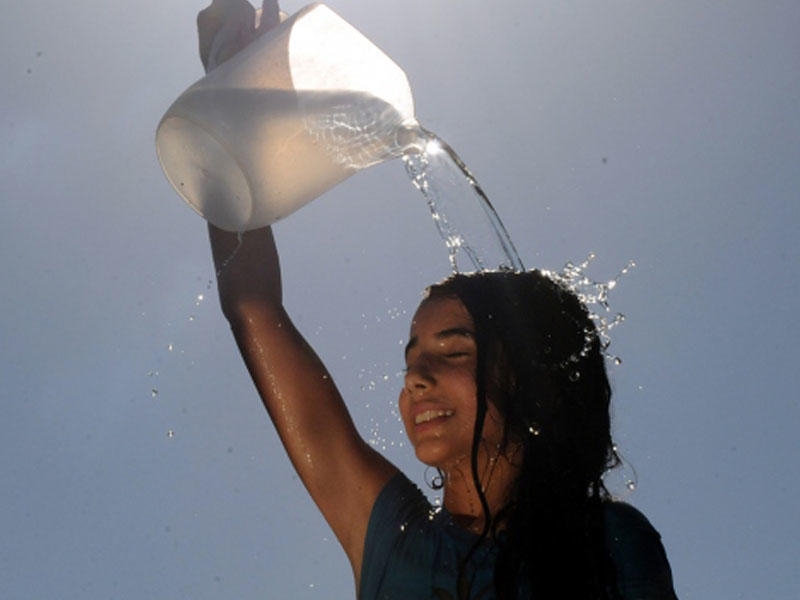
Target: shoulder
(635,548)
(624,517)
(398,501)
(397,547)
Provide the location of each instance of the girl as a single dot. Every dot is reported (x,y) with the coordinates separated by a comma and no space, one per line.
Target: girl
(505,394)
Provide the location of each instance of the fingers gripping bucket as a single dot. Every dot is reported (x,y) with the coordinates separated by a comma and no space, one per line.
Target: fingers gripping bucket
(301,108)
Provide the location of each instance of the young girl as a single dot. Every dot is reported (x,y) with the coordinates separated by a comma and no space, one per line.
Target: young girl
(505,394)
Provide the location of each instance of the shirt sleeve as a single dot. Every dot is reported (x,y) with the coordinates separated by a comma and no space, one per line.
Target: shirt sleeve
(641,565)
(396,513)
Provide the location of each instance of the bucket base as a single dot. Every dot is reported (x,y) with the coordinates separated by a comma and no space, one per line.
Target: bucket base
(203,170)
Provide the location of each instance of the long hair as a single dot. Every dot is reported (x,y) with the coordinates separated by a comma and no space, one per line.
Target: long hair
(540,362)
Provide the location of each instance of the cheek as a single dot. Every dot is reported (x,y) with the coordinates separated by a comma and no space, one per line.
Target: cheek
(402,406)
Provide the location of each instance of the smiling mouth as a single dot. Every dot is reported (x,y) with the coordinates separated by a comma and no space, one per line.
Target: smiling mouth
(430,415)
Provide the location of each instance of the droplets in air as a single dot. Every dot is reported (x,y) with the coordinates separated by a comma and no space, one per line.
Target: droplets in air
(594,295)
(379,384)
(395,313)
(535,430)
(622,479)
(434,510)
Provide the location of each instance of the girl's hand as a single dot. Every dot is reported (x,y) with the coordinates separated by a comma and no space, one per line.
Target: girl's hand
(227,26)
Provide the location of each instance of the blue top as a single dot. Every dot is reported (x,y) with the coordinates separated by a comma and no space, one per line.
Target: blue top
(412,551)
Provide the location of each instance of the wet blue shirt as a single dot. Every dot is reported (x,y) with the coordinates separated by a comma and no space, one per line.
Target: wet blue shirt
(412,552)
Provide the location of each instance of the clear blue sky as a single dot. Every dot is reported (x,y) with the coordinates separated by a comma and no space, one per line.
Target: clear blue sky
(662,132)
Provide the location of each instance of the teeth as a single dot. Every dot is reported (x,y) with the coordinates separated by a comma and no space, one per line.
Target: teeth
(430,415)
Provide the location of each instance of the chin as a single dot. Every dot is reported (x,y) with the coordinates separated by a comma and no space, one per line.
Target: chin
(439,455)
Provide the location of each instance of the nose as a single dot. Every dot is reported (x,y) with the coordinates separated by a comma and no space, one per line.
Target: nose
(419,376)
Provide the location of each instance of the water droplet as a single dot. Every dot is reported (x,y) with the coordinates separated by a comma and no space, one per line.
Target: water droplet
(631,485)
(170,434)
(617,360)
(574,376)
(534,430)
(191,317)
(154,392)
(170,347)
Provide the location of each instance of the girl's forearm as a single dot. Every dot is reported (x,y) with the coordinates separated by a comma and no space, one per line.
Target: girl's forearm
(247,267)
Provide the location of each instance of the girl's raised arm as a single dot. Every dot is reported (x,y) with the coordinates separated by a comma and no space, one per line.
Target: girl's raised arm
(341,472)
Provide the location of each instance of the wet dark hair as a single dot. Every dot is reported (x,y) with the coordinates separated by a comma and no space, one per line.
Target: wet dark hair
(541,363)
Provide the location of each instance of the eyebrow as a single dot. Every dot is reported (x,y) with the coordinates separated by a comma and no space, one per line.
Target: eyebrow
(443,334)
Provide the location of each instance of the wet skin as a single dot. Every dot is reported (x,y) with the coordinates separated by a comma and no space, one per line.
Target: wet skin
(438,400)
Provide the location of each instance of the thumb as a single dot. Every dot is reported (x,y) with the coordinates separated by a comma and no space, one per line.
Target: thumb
(270,15)
(223,28)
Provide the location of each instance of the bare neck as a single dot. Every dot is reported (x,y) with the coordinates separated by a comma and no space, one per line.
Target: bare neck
(461,499)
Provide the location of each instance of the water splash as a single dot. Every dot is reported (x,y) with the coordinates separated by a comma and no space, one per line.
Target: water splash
(594,295)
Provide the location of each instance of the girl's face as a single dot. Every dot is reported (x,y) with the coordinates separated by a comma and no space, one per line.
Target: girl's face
(438,401)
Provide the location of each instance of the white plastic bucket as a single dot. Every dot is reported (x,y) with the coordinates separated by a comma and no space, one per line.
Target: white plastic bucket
(303,107)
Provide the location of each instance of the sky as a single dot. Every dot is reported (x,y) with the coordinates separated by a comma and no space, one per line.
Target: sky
(135,457)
